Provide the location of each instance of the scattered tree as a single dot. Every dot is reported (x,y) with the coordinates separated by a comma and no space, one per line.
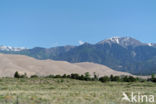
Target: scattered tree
(96,77)
(87,77)
(104,79)
(16,75)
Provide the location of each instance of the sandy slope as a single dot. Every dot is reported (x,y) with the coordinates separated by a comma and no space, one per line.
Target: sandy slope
(100,69)
(9,64)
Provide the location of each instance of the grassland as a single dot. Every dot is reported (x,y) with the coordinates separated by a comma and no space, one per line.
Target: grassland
(68,91)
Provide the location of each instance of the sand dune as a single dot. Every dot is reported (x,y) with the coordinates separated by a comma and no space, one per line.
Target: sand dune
(9,64)
(100,69)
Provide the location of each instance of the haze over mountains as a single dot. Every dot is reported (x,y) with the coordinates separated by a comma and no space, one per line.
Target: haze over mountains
(122,54)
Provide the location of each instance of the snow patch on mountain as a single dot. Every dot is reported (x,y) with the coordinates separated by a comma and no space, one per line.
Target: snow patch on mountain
(150,44)
(9,48)
(115,39)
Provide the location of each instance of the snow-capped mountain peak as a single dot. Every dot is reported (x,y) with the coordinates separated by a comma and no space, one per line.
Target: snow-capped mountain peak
(123,41)
(9,48)
(115,39)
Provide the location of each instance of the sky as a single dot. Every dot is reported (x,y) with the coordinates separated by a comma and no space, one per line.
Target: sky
(50,23)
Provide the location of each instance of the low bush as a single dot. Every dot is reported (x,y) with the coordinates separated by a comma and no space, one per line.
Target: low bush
(17,75)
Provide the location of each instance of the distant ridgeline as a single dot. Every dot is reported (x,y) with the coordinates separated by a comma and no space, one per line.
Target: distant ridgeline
(122,54)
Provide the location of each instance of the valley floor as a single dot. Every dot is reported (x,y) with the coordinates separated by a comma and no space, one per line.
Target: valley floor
(68,91)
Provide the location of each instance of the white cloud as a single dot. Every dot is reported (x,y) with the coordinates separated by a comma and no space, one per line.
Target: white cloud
(81,42)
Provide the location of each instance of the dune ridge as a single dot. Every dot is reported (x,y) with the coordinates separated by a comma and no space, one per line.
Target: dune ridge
(9,64)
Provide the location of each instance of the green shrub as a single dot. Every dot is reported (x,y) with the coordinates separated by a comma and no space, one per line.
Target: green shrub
(104,79)
(34,76)
(16,75)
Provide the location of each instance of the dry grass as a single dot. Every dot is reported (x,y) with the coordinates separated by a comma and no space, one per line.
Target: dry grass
(67,91)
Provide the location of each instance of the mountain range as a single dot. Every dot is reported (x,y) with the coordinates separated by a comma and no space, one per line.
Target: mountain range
(124,54)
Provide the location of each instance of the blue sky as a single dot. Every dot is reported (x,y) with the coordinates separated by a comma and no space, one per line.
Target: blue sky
(49,23)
